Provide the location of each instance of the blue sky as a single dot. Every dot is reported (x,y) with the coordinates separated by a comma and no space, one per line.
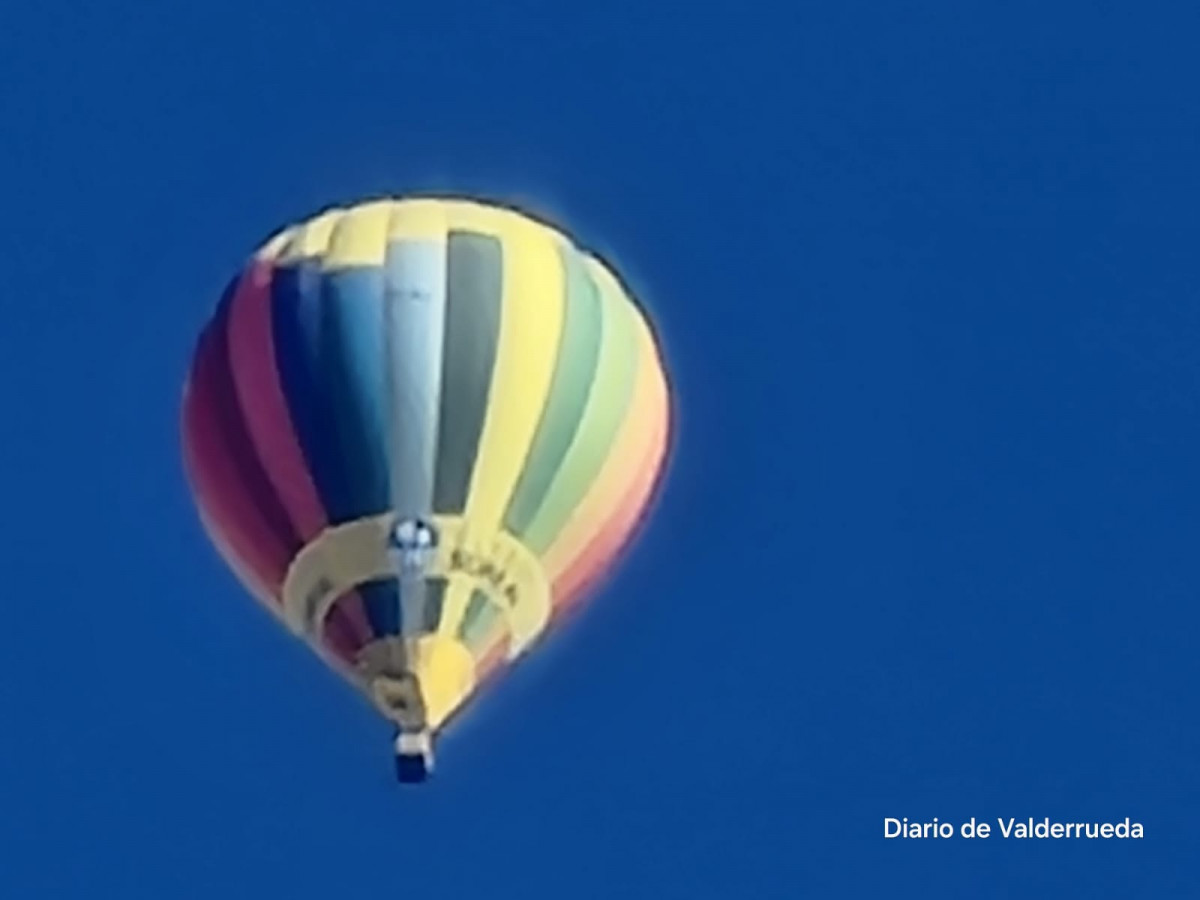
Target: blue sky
(927,282)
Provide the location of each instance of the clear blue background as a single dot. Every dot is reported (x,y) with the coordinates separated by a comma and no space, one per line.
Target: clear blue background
(928,283)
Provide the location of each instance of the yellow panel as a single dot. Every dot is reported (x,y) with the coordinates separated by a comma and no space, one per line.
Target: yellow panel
(530,329)
(417,220)
(305,239)
(465,215)
(312,238)
(359,237)
(446,671)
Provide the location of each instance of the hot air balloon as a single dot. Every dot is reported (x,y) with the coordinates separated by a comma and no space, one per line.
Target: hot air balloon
(419,430)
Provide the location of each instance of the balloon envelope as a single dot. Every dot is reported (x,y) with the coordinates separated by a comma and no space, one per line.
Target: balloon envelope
(434,369)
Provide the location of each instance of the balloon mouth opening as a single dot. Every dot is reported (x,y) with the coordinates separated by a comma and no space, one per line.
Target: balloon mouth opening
(399,696)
